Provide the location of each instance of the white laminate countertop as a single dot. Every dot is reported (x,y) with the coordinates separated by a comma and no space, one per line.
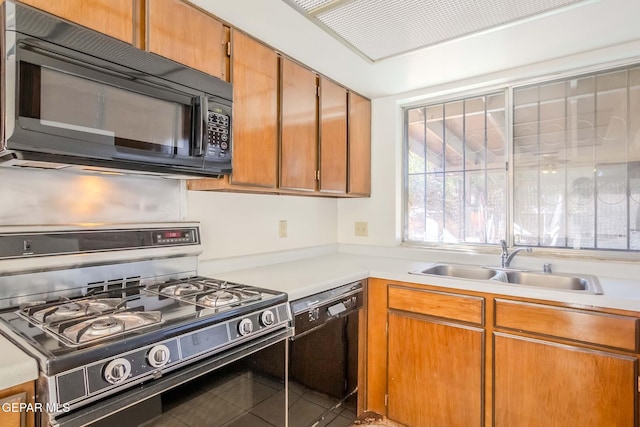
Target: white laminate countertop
(16,367)
(304,277)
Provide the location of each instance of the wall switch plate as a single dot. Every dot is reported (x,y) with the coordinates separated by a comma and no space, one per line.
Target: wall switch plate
(282,228)
(362,229)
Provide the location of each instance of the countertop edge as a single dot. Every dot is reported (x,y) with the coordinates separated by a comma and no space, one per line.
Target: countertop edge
(17,367)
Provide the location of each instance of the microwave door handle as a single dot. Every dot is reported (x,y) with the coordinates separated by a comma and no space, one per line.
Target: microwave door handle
(200,117)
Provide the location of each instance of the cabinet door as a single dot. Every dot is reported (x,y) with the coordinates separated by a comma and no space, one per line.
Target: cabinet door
(539,383)
(359,145)
(111,17)
(8,417)
(255,112)
(19,394)
(333,137)
(435,373)
(187,35)
(299,143)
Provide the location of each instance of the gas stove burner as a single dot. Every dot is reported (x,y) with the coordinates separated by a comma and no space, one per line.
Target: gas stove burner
(219,298)
(107,326)
(181,289)
(71,308)
(58,312)
(207,293)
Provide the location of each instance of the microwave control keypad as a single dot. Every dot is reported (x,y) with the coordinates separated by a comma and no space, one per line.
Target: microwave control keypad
(218,135)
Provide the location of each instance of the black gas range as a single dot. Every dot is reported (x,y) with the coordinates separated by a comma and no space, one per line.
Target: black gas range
(117,313)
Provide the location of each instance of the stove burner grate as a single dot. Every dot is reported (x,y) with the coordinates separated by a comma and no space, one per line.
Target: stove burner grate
(218,298)
(180,289)
(86,330)
(207,293)
(49,313)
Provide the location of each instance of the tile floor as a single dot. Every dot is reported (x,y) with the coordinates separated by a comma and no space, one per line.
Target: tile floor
(247,399)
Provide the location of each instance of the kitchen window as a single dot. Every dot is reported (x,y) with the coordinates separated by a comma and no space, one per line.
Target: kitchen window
(456,173)
(574,145)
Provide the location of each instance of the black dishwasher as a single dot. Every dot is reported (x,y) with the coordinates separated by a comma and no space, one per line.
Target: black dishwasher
(323,353)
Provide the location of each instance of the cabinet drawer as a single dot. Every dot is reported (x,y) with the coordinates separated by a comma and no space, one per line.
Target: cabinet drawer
(440,304)
(603,329)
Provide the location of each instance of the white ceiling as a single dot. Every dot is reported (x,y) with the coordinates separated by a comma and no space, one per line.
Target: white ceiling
(605,29)
(380,29)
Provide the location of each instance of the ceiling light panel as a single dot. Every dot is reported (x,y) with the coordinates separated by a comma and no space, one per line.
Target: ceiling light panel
(310,5)
(383,28)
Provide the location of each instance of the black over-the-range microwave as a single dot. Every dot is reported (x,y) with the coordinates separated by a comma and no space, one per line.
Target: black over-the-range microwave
(73,96)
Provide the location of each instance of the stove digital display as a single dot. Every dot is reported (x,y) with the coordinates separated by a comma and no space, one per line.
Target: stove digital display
(172,234)
(164,237)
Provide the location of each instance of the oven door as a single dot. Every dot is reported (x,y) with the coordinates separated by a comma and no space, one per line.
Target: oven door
(244,386)
(67,106)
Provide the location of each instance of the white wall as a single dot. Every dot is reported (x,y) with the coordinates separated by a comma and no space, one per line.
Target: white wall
(382,211)
(234,224)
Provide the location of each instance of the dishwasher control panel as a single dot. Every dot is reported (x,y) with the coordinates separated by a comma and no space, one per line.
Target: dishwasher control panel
(316,310)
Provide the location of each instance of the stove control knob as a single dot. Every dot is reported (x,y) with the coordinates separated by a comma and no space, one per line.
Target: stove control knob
(117,371)
(267,318)
(245,327)
(158,356)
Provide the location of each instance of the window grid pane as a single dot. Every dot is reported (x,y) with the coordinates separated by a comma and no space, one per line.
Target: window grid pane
(576,155)
(459,196)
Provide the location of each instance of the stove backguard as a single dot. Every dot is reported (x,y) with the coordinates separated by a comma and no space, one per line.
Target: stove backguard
(45,263)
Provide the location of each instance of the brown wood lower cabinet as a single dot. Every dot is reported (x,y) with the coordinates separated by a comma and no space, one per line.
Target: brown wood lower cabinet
(435,372)
(444,357)
(10,399)
(539,383)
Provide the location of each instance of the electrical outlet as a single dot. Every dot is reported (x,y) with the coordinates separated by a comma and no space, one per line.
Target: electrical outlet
(282,228)
(362,228)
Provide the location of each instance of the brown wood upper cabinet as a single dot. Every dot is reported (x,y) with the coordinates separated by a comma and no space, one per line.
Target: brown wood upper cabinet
(359,145)
(112,17)
(179,31)
(299,132)
(254,73)
(326,135)
(333,137)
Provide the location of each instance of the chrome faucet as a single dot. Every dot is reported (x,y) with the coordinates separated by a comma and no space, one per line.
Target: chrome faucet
(507,257)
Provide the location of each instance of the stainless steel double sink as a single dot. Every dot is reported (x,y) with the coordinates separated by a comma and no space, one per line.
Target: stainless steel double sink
(563,282)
